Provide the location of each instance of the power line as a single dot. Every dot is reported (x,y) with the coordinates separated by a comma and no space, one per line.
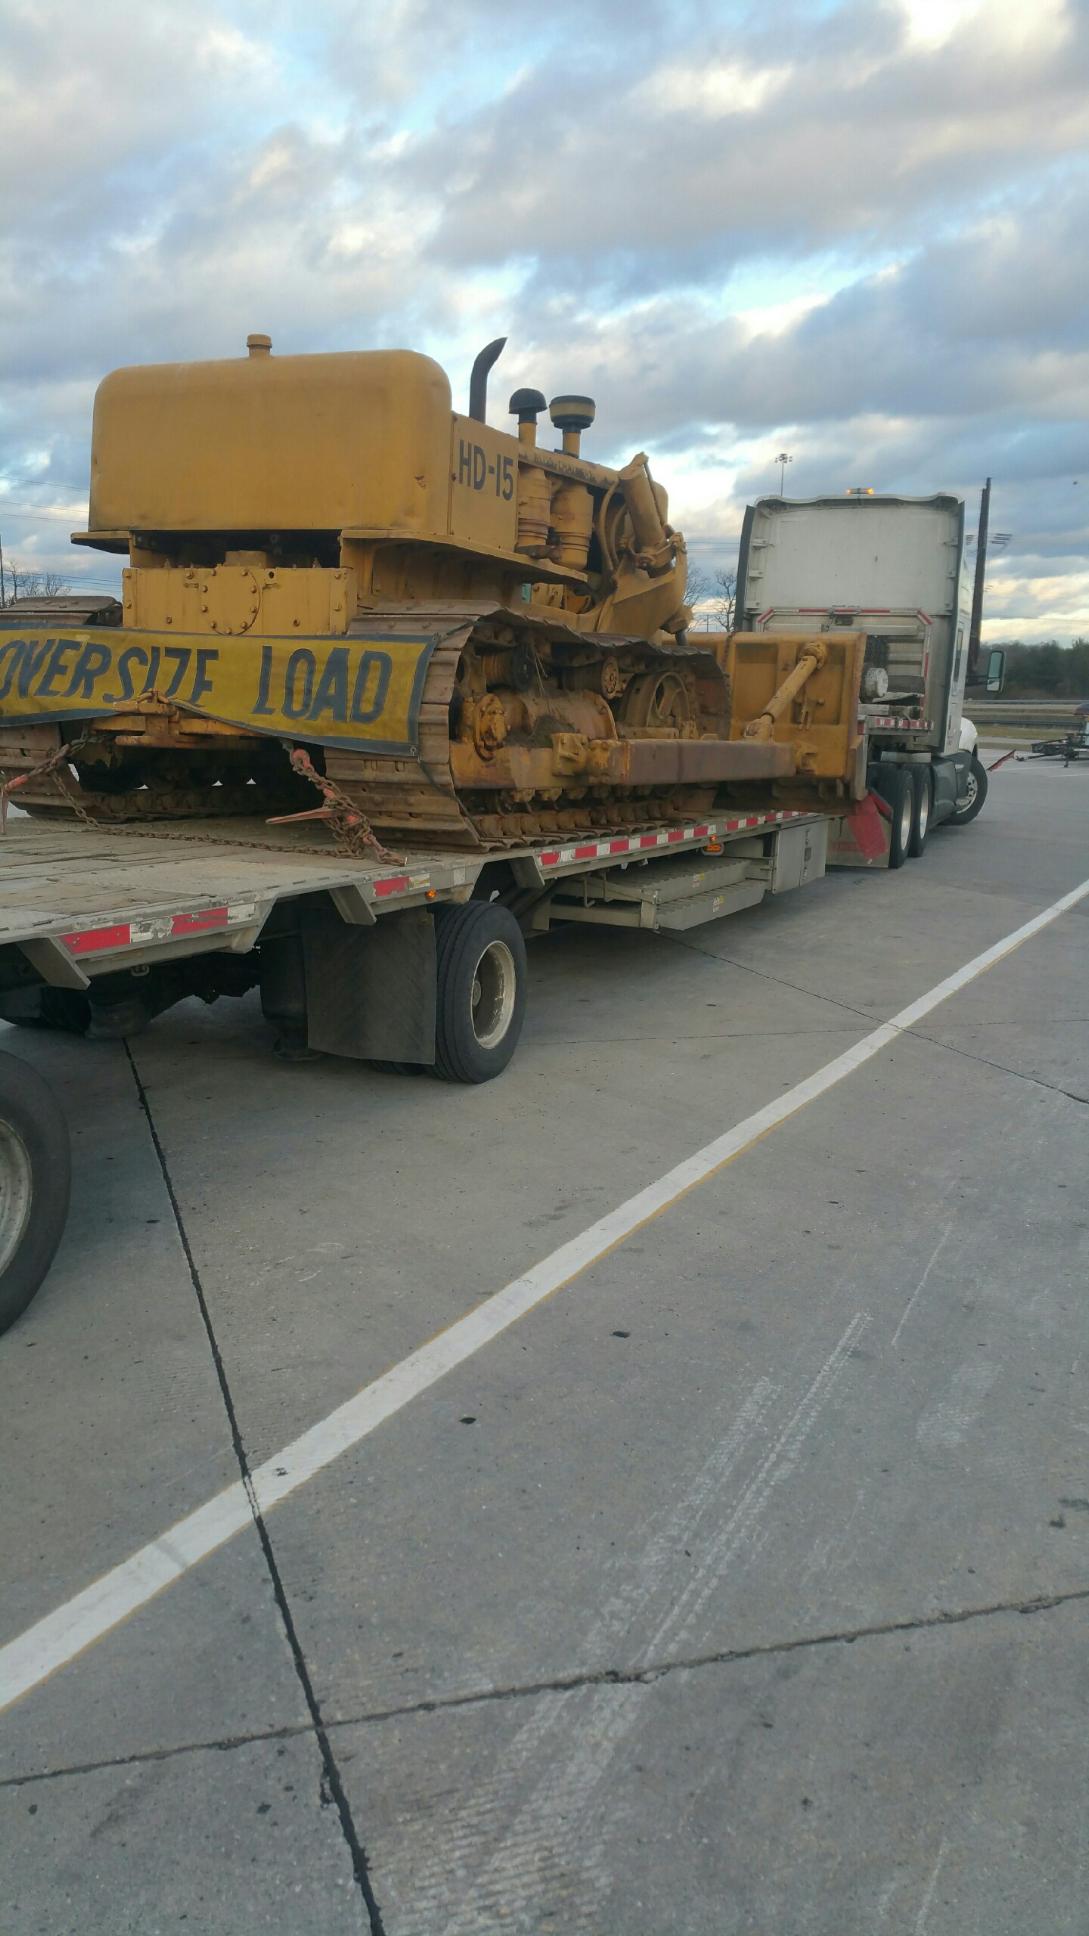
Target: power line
(37,516)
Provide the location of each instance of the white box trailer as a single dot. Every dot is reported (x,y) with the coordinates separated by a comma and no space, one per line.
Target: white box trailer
(893,567)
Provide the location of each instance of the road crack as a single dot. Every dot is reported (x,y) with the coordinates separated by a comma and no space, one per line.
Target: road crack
(644,1676)
(332,1783)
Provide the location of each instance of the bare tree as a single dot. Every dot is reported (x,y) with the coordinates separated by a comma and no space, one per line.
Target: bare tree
(726,601)
(715,596)
(32,584)
(699,587)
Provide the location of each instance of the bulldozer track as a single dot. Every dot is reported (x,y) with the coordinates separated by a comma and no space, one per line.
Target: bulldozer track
(418,800)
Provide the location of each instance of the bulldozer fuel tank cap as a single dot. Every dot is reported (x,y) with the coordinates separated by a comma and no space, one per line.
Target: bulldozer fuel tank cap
(259,345)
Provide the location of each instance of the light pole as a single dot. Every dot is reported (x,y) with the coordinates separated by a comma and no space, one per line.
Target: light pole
(784,458)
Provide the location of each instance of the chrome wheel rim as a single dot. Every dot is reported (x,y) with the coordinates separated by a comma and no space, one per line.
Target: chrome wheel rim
(16,1192)
(905,818)
(495,984)
(924,811)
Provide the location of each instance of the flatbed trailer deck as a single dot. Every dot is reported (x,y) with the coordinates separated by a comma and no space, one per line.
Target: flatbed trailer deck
(78,901)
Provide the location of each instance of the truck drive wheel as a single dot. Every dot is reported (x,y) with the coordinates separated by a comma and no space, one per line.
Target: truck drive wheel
(977,793)
(481,995)
(920,822)
(35,1168)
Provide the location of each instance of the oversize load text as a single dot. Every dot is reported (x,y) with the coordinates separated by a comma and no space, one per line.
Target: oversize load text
(318,689)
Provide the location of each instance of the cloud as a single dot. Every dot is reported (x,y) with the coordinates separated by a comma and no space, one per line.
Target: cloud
(829,129)
(853,231)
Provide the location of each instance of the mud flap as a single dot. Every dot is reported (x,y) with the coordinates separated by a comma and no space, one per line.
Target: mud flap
(861,837)
(370,992)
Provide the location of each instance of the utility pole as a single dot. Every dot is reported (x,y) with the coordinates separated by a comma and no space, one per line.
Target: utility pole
(977,589)
(3,600)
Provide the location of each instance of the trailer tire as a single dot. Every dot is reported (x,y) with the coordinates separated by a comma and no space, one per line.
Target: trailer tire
(35,1175)
(977,793)
(480,958)
(923,783)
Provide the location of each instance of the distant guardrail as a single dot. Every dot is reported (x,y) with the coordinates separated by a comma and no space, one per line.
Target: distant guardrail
(1014,712)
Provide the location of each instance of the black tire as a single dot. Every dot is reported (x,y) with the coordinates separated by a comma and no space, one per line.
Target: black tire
(977,793)
(35,1174)
(895,785)
(481,994)
(923,783)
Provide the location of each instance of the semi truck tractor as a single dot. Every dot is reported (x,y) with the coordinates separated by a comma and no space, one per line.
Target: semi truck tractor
(894,568)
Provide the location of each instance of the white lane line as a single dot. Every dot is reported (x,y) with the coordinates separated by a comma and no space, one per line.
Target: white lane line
(57,1638)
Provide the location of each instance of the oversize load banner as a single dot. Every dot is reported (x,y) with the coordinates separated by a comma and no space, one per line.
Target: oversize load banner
(332,691)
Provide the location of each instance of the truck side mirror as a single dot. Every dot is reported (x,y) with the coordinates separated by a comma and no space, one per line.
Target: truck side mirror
(996,671)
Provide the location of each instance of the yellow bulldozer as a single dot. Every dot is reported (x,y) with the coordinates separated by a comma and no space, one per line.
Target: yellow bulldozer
(470,639)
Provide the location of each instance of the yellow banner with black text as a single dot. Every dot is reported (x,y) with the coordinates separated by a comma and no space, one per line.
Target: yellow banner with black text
(329,691)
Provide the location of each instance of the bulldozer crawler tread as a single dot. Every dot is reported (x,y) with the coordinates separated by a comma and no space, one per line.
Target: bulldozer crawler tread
(417,799)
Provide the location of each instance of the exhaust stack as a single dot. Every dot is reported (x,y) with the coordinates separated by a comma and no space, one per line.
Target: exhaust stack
(478,379)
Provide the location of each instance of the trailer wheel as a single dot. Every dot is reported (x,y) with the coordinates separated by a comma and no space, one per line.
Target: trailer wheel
(35,1168)
(977,793)
(923,785)
(481,996)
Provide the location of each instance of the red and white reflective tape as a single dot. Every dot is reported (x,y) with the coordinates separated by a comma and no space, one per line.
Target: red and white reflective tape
(672,837)
(157,928)
(889,723)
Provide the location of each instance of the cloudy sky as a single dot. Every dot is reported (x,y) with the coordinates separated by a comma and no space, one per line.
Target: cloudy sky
(853,231)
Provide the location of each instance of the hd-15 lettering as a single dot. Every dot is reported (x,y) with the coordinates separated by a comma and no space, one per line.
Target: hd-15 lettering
(476,473)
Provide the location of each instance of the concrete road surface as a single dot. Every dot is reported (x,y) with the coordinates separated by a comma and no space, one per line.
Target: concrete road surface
(738,1588)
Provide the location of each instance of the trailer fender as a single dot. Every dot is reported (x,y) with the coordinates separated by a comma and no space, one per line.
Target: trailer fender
(860,838)
(371,992)
(950,776)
